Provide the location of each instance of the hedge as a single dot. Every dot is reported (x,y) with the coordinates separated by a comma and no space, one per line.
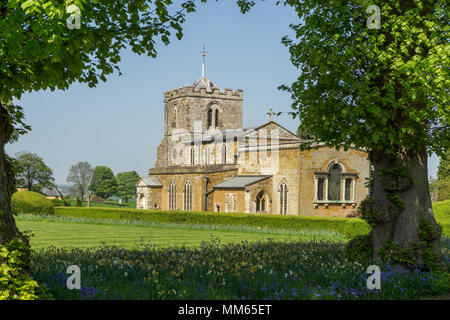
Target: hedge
(24,202)
(349,227)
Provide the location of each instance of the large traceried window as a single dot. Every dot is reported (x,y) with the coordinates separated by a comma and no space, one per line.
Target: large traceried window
(283,198)
(187,196)
(335,185)
(172,195)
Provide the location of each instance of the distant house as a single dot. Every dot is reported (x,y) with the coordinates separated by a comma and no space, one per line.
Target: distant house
(51,193)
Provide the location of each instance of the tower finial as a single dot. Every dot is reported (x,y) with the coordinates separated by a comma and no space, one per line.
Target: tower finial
(203,64)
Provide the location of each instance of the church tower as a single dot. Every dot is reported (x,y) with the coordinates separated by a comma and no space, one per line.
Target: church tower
(200,107)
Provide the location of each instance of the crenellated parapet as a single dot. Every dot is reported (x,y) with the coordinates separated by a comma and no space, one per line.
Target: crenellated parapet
(215,92)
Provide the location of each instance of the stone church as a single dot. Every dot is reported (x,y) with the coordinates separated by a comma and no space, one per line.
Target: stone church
(207,161)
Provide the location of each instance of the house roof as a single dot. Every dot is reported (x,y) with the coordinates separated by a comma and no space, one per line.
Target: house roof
(51,192)
(151,181)
(241,182)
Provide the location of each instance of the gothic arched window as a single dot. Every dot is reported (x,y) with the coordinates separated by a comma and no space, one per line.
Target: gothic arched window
(210,117)
(175,116)
(207,156)
(334,182)
(172,195)
(283,197)
(224,154)
(187,196)
(216,120)
(192,156)
(261,202)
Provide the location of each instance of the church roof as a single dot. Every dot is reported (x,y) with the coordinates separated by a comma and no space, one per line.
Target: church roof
(151,181)
(203,82)
(241,181)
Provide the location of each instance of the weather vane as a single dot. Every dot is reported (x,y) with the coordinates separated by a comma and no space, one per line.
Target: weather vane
(203,64)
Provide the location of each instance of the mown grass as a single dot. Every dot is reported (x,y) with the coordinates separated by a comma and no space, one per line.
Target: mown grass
(86,233)
(348,227)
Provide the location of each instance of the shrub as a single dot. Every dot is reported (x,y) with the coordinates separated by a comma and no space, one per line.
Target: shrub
(25,202)
(60,203)
(14,283)
(78,203)
(345,226)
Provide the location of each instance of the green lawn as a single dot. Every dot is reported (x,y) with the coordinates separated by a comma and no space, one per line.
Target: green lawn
(84,233)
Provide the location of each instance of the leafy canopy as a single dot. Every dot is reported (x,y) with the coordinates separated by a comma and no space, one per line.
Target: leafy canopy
(126,184)
(31,170)
(380,89)
(103,182)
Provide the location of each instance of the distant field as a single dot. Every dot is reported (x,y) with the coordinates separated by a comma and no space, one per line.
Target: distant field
(85,233)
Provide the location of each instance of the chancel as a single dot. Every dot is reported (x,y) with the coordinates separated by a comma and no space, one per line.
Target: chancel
(207,161)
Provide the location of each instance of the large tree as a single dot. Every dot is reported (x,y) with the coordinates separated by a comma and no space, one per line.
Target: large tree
(80,174)
(386,90)
(31,170)
(40,49)
(103,182)
(126,184)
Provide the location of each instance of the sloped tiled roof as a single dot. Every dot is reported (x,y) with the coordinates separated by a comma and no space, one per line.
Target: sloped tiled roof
(241,181)
(203,82)
(51,192)
(152,181)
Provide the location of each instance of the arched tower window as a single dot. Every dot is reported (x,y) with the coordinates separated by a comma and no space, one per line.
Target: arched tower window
(172,195)
(210,118)
(213,116)
(224,154)
(334,182)
(283,197)
(261,201)
(216,119)
(175,116)
(207,156)
(187,196)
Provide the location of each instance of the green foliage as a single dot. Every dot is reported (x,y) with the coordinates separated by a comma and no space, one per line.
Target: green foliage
(366,210)
(441,185)
(359,249)
(126,184)
(245,270)
(25,202)
(60,203)
(78,203)
(381,89)
(14,283)
(345,226)
(31,170)
(103,182)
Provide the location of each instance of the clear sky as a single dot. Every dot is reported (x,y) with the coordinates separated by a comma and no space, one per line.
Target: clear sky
(119,123)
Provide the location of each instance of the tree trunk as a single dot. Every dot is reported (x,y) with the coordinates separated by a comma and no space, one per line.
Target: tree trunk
(404,228)
(8,228)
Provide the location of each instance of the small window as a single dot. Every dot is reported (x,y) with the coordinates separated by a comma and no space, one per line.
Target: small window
(192,156)
(334,182)
(348,189)
(320,185)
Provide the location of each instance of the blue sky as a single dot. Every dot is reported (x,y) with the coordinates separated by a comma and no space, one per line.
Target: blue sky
(119,123)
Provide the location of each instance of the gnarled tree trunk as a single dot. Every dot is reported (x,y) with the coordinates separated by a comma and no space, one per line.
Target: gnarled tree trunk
(8,228)
(404,229)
